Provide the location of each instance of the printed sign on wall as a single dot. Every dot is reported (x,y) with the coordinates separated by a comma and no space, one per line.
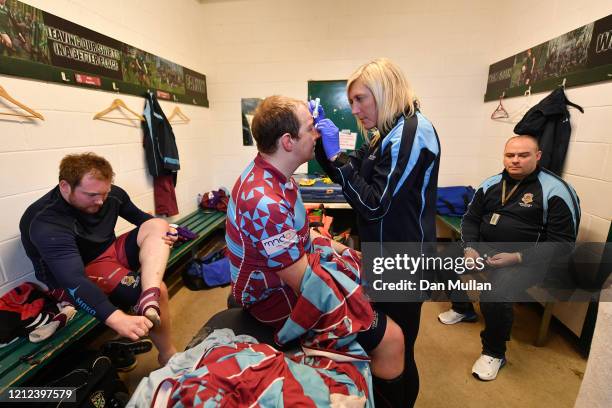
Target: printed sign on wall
(248,110)
(579,57)
(36,44)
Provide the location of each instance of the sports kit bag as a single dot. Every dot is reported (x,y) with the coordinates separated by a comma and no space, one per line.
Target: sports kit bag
(209,271)
(453,201)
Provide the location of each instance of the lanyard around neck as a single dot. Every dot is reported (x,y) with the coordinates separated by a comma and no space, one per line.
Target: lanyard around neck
(504,198)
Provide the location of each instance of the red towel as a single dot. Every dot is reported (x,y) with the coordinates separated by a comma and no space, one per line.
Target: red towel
(165,197)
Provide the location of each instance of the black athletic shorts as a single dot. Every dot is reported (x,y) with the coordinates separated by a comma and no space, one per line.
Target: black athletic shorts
(371,338)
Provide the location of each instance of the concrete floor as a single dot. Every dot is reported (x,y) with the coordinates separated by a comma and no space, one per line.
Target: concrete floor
(548,376)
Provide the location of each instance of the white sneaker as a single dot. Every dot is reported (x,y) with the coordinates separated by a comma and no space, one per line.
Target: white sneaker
(452,317)
(487,367)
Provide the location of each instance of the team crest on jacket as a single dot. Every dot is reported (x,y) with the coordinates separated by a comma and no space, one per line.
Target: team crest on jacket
(97,399)
(527,200)
(129,280)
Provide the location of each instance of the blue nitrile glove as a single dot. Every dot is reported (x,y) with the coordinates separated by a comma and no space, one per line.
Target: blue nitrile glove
(330,136)
(321,112)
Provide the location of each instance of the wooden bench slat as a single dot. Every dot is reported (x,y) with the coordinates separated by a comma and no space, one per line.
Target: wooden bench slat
(205,230)
(454,223)
(201,223)
(197,216)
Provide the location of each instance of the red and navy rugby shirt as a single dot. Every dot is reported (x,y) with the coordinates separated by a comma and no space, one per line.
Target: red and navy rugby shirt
(266,231)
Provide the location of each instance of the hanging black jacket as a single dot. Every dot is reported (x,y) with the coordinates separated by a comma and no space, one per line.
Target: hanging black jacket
(159,143)
(549,122)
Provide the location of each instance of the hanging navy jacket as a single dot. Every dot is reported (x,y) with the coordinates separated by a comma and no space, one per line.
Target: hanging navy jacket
(159,143)
(162,156)
(549,122)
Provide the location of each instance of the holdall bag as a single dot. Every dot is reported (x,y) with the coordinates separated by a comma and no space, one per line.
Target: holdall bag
(214,200)
(453,201)
(209,271)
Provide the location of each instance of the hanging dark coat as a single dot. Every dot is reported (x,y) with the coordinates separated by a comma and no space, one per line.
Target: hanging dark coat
(161,154)
(549,122)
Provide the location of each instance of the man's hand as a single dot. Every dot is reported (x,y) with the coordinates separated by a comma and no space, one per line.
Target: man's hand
(504,259)
(171,236)
(131,327)
(471,253)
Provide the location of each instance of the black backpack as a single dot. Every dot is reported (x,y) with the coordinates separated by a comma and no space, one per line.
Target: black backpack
(93,375)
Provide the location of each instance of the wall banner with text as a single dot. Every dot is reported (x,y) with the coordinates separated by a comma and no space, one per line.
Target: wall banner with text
(581,56)
(38,45)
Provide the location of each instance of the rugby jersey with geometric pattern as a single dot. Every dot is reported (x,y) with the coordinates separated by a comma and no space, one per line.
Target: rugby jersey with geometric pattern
(266,231)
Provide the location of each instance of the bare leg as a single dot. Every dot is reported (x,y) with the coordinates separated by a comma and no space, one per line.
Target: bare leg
(153,257)
(387,366)
(388,357)
(153,253)
(161,334)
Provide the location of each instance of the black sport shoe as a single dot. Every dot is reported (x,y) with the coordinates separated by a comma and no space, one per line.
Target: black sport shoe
(123,359)
(123,352)
(143,345)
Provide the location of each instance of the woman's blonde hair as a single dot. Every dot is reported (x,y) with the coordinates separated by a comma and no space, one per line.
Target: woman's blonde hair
(392,92)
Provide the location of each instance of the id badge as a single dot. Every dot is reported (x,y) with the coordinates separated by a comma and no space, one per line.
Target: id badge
(494,219)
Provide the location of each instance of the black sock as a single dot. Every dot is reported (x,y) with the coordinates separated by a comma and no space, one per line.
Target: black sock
(389,393)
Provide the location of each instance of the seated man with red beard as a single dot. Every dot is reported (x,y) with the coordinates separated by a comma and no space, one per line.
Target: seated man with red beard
(69,235)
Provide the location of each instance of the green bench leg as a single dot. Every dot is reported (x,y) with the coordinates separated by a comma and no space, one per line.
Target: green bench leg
(544,324)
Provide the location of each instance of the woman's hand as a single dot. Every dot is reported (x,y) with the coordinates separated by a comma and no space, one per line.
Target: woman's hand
(320,111)
(330,136)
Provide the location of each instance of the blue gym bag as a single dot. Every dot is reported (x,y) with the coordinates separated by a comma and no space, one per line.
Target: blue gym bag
(209,271)
(453,201)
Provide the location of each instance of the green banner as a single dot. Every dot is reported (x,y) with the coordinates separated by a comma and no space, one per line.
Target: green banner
(579,57)
(38,45)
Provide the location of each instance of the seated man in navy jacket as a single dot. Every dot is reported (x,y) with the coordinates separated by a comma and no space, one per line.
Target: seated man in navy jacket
(519,208)
(69,235)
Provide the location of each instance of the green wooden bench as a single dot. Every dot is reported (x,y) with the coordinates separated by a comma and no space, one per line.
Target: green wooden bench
(20,360)
(452,223)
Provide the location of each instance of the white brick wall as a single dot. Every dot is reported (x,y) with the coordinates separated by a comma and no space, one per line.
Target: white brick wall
(263,47)
(30,151)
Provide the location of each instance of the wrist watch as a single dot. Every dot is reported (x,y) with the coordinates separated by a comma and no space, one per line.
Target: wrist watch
(340,160)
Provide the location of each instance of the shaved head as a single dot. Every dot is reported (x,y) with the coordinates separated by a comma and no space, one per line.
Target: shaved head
(521,156)
(528,137)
